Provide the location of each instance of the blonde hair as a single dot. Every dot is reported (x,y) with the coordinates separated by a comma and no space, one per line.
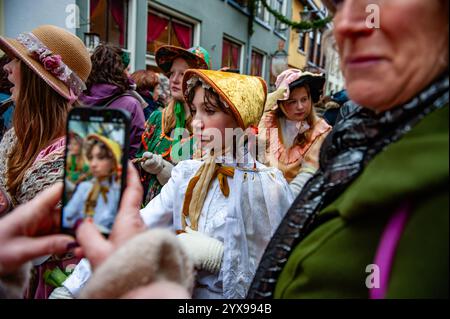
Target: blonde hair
(169,120)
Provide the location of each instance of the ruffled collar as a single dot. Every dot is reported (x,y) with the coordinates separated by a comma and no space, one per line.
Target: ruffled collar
(244,160)
(296,151)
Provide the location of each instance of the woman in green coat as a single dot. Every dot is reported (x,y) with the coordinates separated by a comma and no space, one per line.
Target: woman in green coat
(373,222)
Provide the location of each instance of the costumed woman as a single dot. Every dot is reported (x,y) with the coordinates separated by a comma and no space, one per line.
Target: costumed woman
(49,68)
(290,131)
(230,203)
(167,138)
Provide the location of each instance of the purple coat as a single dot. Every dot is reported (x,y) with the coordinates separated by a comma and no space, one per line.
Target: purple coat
(100,94)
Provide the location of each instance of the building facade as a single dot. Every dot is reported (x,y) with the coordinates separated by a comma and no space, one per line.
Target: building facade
(222,28)
(314,51)
(141,26)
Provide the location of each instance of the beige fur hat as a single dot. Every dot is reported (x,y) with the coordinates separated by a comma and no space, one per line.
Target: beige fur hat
(153,256)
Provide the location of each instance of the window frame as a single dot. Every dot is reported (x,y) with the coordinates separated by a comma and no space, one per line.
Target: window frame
(281,29)
(150,58)
(129,17)
(263,62)
(241,53)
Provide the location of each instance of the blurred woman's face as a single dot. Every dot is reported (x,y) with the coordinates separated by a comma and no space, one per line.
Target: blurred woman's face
(179,66)
(298,106)
(13,71)
(101,166)
(74,146)
(386,66)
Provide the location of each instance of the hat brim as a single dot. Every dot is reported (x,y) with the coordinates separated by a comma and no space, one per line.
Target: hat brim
(111,144)
(166,54)
(315,83)
(237,115)
(14,48)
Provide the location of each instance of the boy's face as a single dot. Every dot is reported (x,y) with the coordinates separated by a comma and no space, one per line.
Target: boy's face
(101,166)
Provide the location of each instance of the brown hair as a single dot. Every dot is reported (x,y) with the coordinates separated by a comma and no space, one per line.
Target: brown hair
(107,67)
(105,152)
(146,80)
(211,97)
(39,118)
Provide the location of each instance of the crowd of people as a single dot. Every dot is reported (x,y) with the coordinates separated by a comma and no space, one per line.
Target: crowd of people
(232,191)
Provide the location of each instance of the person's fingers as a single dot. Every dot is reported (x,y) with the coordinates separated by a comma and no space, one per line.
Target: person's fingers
(95,247)
(150,162)
(28,218)
(31,248)
(128,220)
(79,252)
(148,155)
(132,196)
(47,200)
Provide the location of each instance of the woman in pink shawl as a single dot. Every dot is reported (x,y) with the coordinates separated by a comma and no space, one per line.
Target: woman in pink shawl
(290,130)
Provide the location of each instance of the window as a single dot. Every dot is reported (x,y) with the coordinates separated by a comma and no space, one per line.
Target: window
(231,54)
(109,19)
(302,41)
(280,6)
(261,12)
(257,64)
(163,29)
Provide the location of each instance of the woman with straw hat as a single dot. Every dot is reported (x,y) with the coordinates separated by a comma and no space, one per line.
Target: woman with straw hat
(231,203)
(167,139)
(49,68)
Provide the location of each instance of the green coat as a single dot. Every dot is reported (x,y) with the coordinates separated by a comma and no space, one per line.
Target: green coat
(156,141)
(331,261)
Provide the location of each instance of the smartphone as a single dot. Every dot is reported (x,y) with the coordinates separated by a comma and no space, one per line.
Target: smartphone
(96,155)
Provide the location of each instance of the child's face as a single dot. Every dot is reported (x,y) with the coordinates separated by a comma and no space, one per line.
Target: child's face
(101,166)
(179,66)
(209,122)
(298,106)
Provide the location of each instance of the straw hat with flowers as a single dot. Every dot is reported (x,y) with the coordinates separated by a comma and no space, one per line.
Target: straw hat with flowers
(56,55)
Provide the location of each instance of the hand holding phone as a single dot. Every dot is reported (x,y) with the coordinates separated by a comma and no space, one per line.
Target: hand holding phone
(96,153)
(127,225)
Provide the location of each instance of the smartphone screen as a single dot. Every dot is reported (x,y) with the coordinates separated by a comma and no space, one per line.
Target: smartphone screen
(95,167)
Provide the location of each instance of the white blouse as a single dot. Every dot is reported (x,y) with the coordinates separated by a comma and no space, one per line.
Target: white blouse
(244,222)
